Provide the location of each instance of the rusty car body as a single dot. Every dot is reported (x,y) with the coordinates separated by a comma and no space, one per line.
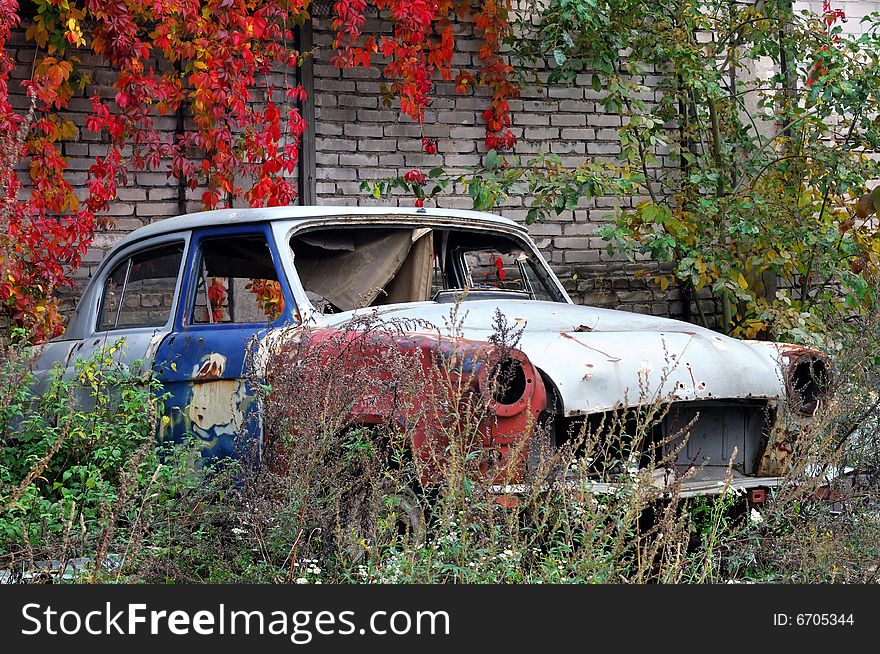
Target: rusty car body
(190,294)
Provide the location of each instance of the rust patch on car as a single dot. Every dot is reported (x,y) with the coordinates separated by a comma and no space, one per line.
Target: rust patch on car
(781,441)
(211,368)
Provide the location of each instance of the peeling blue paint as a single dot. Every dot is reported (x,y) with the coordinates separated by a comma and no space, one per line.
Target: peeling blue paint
(203,368)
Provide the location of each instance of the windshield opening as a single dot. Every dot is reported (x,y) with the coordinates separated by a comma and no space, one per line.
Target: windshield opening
(345,268)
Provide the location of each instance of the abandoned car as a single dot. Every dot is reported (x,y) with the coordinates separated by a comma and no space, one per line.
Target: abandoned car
(189,294)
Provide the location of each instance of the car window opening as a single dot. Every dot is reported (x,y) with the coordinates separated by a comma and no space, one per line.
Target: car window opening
(139,291)
(237,282)
(342,269)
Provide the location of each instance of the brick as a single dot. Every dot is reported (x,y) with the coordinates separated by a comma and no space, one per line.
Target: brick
(127,194)
(377,145)
(531,119)
(455,145)
(357,101)
(568,120)
(409,145)
(577,106)
(337,200)
(167,193)
(376,173)
(154,179)
(603,120)
(541,133)
(361,129)
(607,134)
(328,129)
(334,85)
(584,256)
(600,299)
(349,188)
(75,149)
(391,159)
(578,134)
(339,115)
(326,159)
(335,173)
(336,145)
(457,117)
(561,147)
(569,92)
(469,133)
(153,209)
(128,224)
(635,296)
(402,129)
(539,106)
(570,242)
(462,159)
(603,148)
(545,229)
(383,116)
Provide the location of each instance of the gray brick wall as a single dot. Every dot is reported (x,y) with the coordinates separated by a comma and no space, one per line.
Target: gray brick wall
(358,138)
(149,196)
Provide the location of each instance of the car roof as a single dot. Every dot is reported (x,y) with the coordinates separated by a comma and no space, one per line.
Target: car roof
(329,213)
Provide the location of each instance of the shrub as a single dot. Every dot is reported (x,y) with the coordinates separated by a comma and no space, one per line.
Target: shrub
(341,495)
(77,450)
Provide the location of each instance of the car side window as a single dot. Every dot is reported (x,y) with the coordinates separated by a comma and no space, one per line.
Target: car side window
(237,282)
(139,291)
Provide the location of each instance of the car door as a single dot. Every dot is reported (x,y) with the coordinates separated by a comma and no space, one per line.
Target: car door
(132,299)
(234,291)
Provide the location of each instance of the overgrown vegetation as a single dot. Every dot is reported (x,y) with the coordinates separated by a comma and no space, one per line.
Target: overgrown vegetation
(753,155)
(767,204)
(83,490)
(746,166)
(225,72)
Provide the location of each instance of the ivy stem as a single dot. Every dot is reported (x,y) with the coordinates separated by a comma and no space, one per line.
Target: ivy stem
(726,310)
(805,279)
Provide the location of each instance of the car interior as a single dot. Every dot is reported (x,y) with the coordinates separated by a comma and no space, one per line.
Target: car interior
(346,268)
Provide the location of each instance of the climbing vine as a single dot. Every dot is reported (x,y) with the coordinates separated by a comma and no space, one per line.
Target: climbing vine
(757,194)
(212,60)
(420,49)
(222,68)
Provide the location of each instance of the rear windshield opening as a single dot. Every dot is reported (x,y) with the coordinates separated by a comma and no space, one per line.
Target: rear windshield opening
(349,268)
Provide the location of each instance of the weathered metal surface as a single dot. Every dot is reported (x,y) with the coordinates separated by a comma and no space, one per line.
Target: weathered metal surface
(596,359)
(623,359)
(717,433)
(452,370)
(689,488)
(203,368)
(207,396)
(780,445)
(326,215)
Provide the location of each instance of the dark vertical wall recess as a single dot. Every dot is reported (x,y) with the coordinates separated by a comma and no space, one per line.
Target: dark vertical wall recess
(307,110)
(179,128)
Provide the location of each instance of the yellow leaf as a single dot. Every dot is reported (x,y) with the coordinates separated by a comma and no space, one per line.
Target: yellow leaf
(742,281)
